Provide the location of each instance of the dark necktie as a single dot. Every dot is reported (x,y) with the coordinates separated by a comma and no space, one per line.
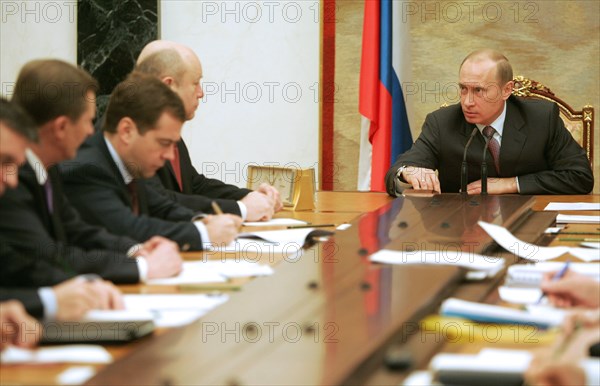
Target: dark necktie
(177,168)
(133,193)
(493,146)
(49,195)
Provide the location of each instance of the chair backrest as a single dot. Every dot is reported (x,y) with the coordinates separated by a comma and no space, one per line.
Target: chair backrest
(579,123)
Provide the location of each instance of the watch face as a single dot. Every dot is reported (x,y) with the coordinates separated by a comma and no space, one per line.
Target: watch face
(282,179)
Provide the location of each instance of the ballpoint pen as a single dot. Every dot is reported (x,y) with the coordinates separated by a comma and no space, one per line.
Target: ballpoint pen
(557,276)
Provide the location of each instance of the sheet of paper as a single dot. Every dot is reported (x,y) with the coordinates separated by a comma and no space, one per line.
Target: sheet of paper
(174,310)
(420,378)
(76,375)
(520,248)
(152,302)
(296,236)
(573,206)
(117,315)
(553,230)
(488,313)
(232,268)
(58,354)
(577,219)
(531,275)
(193,272)
(275,222)
(343,227)
(263,248)
(510,361)
(585,254)
(591,244)
(517,295)
(472,261)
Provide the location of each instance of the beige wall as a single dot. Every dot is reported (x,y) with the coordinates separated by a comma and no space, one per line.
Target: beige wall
(554,42)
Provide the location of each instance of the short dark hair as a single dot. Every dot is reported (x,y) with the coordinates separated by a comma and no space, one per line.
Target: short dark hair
(50,88)
(144,99)
(167,62)
(13,117)
(504,71)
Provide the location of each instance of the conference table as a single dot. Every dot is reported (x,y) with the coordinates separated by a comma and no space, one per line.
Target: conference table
(328,315)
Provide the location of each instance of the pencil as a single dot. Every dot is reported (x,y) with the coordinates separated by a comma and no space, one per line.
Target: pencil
(310,226)
(209,287)
(216,208)
(579,239)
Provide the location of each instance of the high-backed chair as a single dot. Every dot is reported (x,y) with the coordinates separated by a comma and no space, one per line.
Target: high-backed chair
(579,123)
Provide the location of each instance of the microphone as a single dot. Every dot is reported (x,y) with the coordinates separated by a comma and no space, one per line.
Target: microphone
(484,172)
(464,167)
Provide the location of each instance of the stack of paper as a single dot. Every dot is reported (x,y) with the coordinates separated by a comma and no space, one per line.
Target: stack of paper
(577,219)
(174,310)
(534,252)
(275,222)
(573,206)
(214,271)
(471,261)
(59,354)
(503,315)
(489,367)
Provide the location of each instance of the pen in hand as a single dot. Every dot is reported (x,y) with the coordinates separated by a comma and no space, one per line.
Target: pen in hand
(557,276)
(216,208)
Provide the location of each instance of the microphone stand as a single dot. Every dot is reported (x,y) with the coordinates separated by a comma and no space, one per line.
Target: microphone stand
(484,172)
(464,167)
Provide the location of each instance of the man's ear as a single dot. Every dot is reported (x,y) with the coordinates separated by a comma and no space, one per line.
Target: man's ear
(507,90)
(59,126)
(169,81)
(126,130)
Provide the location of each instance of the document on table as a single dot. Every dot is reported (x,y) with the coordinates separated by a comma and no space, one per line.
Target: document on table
(275,222)
(174,310)
(489,366)
(520,295)
(214,271)
(531,275)
(573,206)
(488,313)
(534,252)
(59,354)
(471,261)
(577,219)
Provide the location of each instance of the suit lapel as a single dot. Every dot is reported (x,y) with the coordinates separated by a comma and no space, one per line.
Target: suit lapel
(98,141)
(513,140)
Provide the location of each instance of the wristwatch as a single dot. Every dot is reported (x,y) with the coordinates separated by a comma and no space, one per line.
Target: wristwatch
(399,173)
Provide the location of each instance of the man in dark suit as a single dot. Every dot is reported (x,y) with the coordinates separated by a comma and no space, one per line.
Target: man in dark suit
(37,219)
(20,276)
(530,150)
(105,182)
(178,66)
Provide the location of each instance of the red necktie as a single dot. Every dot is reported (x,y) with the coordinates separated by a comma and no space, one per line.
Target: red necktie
(493,146)
(177,168)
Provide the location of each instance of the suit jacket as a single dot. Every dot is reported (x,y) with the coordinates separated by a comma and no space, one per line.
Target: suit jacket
(96,188)
(198,191)
(536,147)
(57,244)
(28,296)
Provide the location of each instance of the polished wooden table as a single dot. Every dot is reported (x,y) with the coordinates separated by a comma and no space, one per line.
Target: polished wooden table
(330,316)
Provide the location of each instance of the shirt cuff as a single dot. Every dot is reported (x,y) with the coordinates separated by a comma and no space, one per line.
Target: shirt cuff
(243,210)
(134,250)
(518,187)
(203,234)
(142,265)
(49,302)
(591,368)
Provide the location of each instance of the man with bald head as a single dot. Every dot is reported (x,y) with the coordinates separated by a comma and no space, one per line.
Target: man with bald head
(530,150)
(178,66)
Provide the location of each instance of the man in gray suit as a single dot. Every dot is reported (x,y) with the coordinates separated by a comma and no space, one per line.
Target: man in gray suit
(530,150)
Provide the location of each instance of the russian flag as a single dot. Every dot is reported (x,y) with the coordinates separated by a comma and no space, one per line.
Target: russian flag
(385,131)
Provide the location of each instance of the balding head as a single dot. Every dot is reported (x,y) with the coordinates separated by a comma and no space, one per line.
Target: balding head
(177,66)
(504,72)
